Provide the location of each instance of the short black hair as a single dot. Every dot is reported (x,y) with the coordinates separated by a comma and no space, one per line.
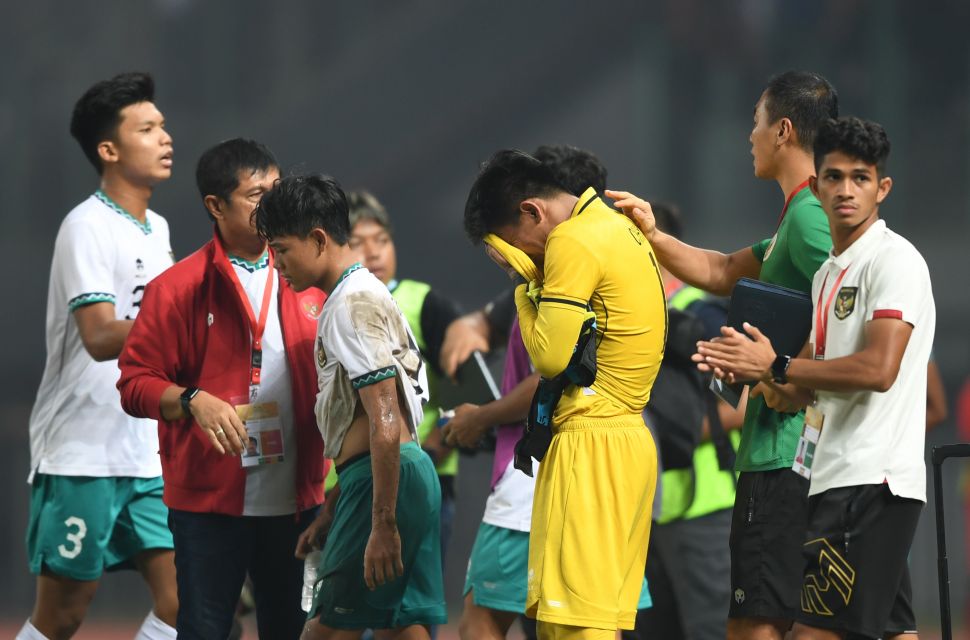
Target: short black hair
(504,181)
(575,169)
(856,138)
(668,219)
(298,204)
(217,172)
(98,112)
(804,97)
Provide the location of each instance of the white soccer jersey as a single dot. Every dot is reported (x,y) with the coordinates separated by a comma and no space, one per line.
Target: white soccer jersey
(77,426)
(363,338)
(270,488)
(870,437)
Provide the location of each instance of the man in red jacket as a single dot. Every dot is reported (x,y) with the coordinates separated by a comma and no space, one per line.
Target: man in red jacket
(222,357)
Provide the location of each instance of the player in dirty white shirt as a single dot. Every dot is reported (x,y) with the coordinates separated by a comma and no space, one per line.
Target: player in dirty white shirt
(372,382)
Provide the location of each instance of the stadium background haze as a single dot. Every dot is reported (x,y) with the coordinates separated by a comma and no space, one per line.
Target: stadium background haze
(406,98)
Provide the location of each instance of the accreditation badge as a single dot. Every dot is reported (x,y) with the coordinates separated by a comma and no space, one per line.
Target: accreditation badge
(265,428)
(805,451)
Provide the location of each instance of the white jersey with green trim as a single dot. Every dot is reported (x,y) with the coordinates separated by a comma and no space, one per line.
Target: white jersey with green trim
(363,338)
(77,425)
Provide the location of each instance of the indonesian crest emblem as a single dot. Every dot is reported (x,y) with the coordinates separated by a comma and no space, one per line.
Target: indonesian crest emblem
(321,354)
(845,302)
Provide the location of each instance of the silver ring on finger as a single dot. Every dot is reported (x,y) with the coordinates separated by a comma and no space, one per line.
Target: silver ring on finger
(219,432)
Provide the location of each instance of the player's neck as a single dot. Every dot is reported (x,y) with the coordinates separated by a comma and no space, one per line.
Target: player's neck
(845,237)
(343,260)
(130,197)
(794,171)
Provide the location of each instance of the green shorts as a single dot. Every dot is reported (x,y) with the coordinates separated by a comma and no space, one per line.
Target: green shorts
(81,526)
(341,598)
(498,569)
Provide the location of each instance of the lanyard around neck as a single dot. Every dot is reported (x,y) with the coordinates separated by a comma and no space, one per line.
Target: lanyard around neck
(822,315)
(256,326)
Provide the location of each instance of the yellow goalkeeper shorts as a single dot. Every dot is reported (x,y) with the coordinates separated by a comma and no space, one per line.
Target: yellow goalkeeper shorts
(591,523)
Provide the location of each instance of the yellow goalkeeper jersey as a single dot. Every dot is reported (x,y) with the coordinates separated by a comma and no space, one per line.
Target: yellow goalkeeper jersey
(598,257)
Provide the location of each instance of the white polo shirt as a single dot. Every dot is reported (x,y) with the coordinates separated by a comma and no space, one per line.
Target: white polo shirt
(870,437)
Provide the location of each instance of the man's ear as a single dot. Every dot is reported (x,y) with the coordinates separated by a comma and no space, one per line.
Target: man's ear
(885,186)
(785,132)
(213,205)
(532,209)
(108,152)
(321,238)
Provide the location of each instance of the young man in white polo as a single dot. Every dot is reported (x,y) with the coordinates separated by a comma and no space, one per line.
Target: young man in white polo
(863,377)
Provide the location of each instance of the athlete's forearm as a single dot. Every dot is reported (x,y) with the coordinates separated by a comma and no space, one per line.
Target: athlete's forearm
(549,333)
(861,371)
(705,269)
(385,466)
(874,368)
(512,407)
(385,422)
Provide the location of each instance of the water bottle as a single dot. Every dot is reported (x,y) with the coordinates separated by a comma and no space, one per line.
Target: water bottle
(310,567)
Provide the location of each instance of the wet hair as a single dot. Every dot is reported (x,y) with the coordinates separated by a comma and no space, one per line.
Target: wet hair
(364,205)
(97,113)
(504,181)
(298,204)
(575,169)
(805,98)
(856,138)
(217,172)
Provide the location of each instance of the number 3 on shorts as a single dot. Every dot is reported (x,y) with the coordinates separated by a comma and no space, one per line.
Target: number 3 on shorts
(74,538)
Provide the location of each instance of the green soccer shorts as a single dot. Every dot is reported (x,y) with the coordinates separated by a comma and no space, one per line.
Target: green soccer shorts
(81,526)
(341,597)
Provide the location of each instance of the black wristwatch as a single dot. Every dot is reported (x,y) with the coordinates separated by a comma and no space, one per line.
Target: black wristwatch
(779,369)
(186,398)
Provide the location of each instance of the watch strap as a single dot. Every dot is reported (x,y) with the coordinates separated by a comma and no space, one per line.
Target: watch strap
(779,369)
(186,398)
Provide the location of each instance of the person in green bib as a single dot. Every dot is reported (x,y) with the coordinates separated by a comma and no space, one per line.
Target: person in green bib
(429,314)
(771,503)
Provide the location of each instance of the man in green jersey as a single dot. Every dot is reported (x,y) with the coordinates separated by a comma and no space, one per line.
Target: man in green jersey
(770,508)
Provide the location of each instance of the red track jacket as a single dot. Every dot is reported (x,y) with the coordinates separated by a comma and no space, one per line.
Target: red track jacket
(192,331)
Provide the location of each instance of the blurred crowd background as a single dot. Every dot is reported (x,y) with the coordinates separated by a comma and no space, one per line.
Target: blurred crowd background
(406,98)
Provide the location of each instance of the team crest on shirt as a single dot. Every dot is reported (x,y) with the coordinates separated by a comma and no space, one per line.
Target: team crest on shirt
(310,308)
(321,354)
(845,302)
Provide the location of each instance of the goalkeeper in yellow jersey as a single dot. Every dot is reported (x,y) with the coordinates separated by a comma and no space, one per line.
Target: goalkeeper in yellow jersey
(594,322)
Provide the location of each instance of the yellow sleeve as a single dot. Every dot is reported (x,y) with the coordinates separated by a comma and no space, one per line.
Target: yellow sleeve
(550,332)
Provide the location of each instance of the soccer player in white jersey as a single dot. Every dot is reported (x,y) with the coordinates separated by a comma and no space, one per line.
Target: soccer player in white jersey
(381,563)
(96,494)
(863,376)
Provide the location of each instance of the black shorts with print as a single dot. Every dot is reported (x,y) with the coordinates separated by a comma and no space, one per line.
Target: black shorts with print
(856,551)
